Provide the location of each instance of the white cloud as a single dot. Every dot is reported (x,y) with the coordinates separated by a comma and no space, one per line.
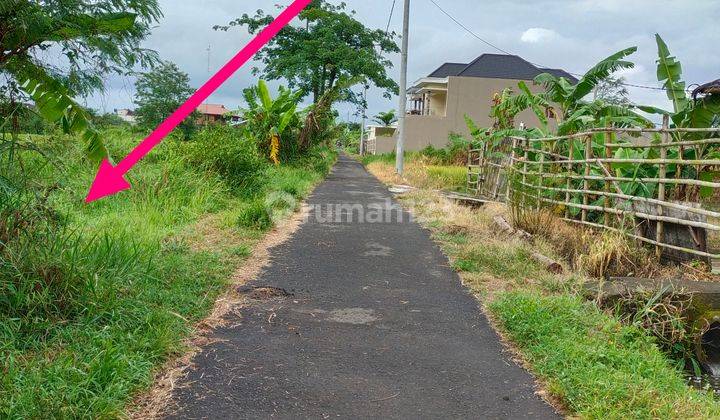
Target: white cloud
(537,35)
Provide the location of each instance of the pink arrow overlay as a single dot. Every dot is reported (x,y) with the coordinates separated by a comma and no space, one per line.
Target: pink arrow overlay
(111,179)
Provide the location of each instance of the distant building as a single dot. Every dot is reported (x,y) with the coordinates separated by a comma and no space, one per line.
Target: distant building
(384,135)
(440,101)
(126,115)
(215,114)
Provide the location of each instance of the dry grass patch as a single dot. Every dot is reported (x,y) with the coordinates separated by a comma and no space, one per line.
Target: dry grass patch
(587,360)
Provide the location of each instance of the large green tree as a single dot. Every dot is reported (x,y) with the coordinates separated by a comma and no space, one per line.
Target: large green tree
(330,45)
(93,38)
(159,93)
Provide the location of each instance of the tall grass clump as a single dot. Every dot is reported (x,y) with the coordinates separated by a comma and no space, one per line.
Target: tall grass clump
(90,299)
(232,154)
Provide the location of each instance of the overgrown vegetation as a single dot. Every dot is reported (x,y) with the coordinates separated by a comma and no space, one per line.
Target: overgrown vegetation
(94,298)
(624,360)
(423,169)
(599,367)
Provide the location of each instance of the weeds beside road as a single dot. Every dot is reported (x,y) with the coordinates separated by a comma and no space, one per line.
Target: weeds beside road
(96,298)
(588,363)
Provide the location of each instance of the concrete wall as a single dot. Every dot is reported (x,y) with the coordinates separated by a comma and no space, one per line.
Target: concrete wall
(385,144)
(466,95)
(438,104)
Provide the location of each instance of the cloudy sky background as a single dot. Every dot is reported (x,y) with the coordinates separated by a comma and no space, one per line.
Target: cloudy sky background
(572,35)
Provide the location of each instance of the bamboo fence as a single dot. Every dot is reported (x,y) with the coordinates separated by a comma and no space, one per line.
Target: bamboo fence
(654,190)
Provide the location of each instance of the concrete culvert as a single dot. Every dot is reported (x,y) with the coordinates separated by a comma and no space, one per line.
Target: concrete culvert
(708,348)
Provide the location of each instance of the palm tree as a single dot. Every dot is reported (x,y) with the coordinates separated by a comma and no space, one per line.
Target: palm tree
(386,118)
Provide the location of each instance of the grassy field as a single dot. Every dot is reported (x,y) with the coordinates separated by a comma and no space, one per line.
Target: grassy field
(422,171)
(94,298)
(588,363)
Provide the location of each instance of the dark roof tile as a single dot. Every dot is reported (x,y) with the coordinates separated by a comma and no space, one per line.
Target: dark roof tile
(448,69)
(498,66)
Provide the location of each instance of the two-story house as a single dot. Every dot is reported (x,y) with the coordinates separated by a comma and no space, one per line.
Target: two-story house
(439,102)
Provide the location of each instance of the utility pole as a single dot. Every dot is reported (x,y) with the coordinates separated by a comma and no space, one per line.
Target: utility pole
(208,61)
(362,127)
(400,148)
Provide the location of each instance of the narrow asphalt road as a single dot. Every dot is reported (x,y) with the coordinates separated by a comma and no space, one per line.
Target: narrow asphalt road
(377,325)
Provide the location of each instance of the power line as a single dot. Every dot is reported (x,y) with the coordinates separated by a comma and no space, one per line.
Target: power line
(392,9)
(488,43)
(509,53)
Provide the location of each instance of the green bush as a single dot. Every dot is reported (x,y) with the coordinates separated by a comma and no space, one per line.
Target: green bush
(255,215)
(231,154)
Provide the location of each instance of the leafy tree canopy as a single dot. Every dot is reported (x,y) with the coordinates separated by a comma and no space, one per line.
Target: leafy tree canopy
(159,93)
(329,46)
(612,90)
(95,38)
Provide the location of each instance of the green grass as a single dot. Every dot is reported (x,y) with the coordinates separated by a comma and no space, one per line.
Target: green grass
(95,298)
(451,177)
(588,360)
(598,367)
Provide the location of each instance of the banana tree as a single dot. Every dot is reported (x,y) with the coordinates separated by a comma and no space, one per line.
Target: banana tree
(574,112)
(268,119)
(687,112)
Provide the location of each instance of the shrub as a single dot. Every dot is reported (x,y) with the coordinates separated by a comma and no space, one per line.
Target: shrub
(231,154)
(255,215)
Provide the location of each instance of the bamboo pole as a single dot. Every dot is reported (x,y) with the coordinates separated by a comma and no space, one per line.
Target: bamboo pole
(540,178)
(658,145)
(708,162)
(606,185)
(468,178)
(507,172)
(649,201)
(628,130)
(586,182)
(660,225)
(684,181)
(679,168)
(637,214)
(650,241)
(568,180)
(525,165)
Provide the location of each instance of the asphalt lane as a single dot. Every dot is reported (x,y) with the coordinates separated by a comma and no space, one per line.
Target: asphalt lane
(367,320)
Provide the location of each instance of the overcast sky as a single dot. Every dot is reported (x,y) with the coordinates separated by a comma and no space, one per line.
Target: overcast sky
(572,35)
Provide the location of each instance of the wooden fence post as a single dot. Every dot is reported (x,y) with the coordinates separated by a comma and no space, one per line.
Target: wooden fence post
(510,171)
(586,181)
(608,153)
(568,180)
(541,171)
(659,225)
(526,157)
